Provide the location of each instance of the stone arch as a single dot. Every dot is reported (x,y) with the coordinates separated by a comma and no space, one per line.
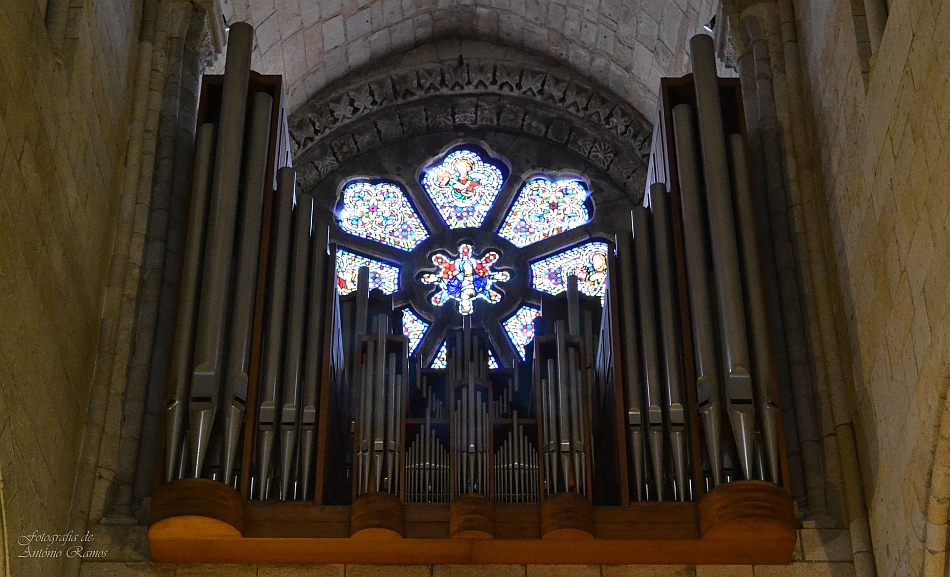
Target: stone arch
(453,86)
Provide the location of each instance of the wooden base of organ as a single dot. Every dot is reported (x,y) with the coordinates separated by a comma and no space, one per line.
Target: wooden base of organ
(743,522)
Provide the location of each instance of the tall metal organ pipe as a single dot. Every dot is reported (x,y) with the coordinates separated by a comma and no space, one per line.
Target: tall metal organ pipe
(293,362)
(738,385)
(212,311)
(648,347)
(242,308)
(631,366)
(669,338)
(766,387)
(274,329)
(697,266)
(313,370)
(180,365)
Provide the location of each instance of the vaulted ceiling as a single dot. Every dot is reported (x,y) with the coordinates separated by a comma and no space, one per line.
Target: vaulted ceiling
(623,45)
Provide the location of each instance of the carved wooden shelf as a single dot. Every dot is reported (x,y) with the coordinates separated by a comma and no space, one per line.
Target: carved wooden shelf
(202,521)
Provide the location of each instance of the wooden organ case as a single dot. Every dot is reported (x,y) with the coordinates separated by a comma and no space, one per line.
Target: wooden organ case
(644,429)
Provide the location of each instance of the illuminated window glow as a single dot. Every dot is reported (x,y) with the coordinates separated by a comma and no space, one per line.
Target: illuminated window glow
(413,328)
(440,361)
(464,279)
(492,361)
(382,276)
(588,262)
(463,188)
(543,209)
(381,212)
(520,328)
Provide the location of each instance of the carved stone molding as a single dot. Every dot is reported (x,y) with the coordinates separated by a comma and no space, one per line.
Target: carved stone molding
(551,103)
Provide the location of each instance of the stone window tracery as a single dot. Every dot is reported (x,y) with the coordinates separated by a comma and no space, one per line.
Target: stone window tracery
(471,261)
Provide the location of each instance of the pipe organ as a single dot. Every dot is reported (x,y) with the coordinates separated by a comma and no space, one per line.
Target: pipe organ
(299,428)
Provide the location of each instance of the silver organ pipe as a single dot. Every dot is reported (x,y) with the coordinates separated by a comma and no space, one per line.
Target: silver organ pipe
(725,256)
(212,310)
(648,346)
(764,383)
(267,416)
(669,335)
(179,366)
(242,307)
(697,266)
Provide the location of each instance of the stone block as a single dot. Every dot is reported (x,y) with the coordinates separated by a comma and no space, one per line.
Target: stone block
(109,569)
(564,571)
(648,571)
(301,570)
(826,544)
(724,571)
(806,570)
(388,571)
(478,571)
(216,570)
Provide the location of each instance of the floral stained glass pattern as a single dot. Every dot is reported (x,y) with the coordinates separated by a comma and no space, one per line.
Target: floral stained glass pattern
(544,208)
(465,279)
(382,276)
(463,188)
(413,328)
(381,212)
(440,361)
(588,262)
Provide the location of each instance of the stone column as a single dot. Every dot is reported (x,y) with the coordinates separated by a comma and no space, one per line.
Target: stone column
(766,32)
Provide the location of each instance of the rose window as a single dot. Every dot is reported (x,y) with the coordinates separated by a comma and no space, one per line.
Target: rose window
(471,240)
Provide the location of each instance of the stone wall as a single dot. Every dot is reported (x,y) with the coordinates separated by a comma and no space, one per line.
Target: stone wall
(886,167)
(64,121)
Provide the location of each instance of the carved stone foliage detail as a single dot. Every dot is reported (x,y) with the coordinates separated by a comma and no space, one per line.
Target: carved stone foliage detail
(400,104)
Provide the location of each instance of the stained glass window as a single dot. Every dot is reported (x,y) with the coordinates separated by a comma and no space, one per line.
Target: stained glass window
(413,328)
(381,212)
(492,361)
(588,262)
(440,362)
(463,187)
(544,208)
(382,276)
(520,328)
(465,279)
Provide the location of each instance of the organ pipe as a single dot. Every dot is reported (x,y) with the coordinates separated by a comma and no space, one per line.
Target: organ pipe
(697,266)
(209,341)
(732,324)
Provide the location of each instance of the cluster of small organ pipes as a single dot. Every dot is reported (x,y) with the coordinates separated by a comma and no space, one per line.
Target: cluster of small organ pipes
(507,440)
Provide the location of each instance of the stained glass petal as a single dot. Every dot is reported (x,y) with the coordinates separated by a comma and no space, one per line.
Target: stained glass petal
(440,360)
(588,262)
(543,209)
(381,212)
(382,276)
(520,328)
(492,361)
(413,328)
(463,188)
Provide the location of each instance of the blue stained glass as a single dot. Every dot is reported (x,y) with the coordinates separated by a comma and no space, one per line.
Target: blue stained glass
(382,276)
(440,361)
(413,328)
(543,209)
(492,361)
(588,262)
(520,328)
(381,212)
(464,279)
(463,187)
